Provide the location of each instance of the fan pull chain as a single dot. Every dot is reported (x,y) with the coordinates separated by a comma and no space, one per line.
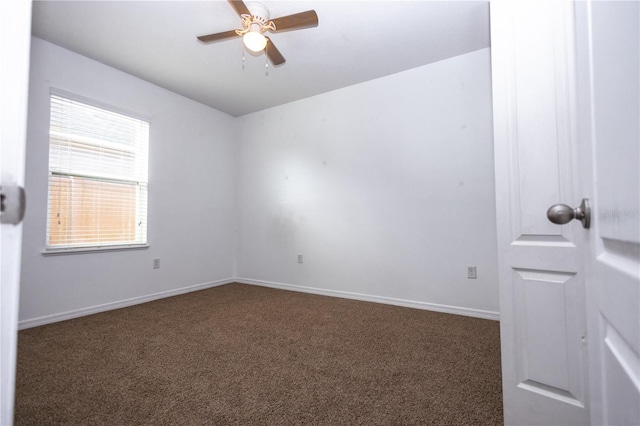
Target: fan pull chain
(243,57)
(266,66)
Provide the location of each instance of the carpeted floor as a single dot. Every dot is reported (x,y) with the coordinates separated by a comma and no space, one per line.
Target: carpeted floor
(240,354)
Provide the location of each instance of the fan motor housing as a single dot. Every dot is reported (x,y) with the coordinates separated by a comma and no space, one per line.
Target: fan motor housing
(259,12)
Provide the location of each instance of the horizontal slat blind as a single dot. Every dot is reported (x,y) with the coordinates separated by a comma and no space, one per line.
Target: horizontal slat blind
(98,176)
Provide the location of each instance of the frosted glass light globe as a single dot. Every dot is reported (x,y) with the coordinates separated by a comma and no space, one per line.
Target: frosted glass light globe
(254,41)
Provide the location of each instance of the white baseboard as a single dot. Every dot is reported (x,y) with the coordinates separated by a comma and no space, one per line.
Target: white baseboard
(476,313)
(48,319)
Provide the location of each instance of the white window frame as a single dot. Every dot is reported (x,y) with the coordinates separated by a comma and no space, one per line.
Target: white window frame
(97,246)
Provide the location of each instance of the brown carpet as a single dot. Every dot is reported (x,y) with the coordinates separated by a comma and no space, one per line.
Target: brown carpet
(240,354)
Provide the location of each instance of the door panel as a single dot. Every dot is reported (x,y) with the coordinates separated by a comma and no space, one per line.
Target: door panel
(542,295)
(615,47)
(535,153)
(548,321)
(620,388)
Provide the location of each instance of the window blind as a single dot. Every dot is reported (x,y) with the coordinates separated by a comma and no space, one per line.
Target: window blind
(98,176)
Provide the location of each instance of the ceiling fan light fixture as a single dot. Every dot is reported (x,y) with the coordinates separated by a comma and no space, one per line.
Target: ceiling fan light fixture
(254,41)
(254,18)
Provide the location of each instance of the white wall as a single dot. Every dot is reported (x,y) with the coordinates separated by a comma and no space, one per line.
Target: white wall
(386,187)
(192,209)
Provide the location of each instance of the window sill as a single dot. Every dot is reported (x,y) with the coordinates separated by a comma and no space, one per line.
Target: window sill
(98,249)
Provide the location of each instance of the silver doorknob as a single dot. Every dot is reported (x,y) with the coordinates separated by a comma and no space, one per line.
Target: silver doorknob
(562,214)
(12,204)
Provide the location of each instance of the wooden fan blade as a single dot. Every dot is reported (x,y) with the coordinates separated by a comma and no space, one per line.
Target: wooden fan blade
(296,21)
(273,53)
(218,36)
(239,7)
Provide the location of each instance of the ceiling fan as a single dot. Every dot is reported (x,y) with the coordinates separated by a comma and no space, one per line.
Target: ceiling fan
(256,21)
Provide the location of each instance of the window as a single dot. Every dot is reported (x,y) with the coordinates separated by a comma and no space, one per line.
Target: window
(97,177)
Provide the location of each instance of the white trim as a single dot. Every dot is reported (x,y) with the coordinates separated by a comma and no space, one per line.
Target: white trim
(92,249)
(48,319)
(54,91)
(457,310)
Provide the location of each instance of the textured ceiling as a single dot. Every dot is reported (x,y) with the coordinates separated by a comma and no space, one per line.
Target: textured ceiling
(355,41)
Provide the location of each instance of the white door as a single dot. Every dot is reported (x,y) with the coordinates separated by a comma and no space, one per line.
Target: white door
(15,28)
(541,272)
(566,126)
(608,40)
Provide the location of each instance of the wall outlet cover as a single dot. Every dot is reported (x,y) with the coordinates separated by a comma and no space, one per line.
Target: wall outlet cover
(472,272)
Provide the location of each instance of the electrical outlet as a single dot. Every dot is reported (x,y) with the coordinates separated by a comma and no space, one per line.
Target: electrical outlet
(300,258)
(156,263)
(471,272)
